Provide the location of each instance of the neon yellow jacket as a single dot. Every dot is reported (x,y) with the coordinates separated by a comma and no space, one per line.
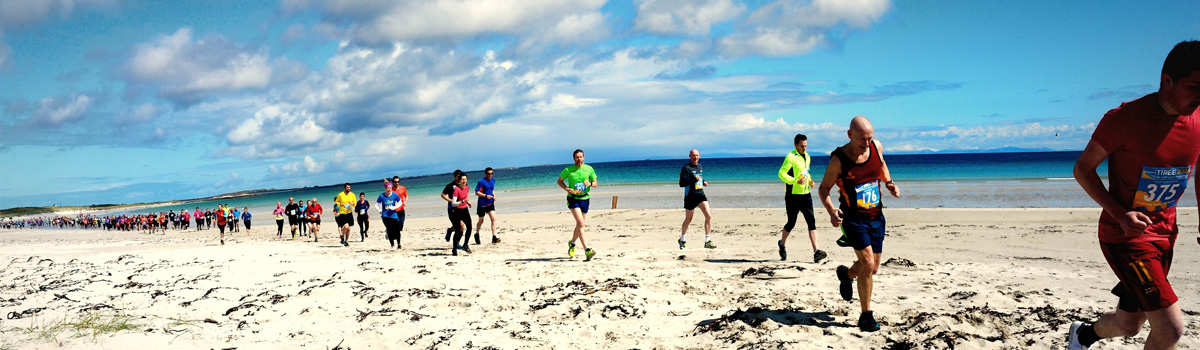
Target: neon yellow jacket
(796,163)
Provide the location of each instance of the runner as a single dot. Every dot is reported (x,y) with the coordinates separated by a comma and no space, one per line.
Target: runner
(293,211)
(459,200)
(797,197)
(403,193)
(199,217)
(691,178)
(389,204)
(221,226)
(246,219)
(578,181)
(1151,147)
(857,168)
(279,219)
(343,207)
(236,215)
(363,217)
(446,193)
(485,190)
(314,219)
(302,214)
(208,218)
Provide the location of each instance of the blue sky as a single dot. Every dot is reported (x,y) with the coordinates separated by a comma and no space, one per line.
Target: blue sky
(111,101)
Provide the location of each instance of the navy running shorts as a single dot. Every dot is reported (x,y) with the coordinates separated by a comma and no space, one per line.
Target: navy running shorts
(862,233)
(582,204)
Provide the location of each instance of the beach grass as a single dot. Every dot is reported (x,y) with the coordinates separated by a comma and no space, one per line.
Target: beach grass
(93,323)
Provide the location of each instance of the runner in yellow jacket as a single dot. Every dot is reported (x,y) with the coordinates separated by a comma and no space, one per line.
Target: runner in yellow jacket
(798,195)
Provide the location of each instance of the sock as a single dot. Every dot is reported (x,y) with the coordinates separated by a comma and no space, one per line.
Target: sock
(706,238)
(1087,335)
(683,238)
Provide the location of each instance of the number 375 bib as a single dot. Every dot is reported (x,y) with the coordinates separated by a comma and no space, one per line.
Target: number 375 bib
(1160,187)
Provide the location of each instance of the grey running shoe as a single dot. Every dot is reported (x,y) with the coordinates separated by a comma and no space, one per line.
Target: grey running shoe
(819,255)
(782,250)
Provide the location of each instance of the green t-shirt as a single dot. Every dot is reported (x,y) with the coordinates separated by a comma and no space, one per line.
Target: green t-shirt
(574,176)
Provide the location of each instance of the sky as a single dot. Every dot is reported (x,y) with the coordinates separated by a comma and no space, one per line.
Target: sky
(123,101)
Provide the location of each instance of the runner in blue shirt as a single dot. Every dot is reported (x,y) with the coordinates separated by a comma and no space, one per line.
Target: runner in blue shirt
(485,189)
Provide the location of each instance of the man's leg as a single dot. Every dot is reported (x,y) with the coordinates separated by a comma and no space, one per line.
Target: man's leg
(579,216)
(492,219)
(863,271)
(707,219)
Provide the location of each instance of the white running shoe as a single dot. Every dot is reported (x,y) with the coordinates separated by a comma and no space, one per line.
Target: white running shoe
(1073,337)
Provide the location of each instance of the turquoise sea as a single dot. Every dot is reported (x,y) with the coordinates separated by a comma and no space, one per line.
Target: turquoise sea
(1035,179)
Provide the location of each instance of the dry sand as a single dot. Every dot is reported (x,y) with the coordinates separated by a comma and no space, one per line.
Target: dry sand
(961,278)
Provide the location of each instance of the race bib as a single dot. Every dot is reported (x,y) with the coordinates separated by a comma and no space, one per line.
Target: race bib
(1160,187)
(699,182)
(868,195)
(580,187)
(362,212)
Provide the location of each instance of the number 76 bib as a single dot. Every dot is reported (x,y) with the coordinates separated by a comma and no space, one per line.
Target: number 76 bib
(1160,187)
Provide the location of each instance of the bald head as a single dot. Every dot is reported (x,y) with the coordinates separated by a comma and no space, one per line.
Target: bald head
(861,124)
(694,156)
(861,133)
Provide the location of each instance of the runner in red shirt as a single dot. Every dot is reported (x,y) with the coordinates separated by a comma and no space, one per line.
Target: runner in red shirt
(314,218)
(1152,145)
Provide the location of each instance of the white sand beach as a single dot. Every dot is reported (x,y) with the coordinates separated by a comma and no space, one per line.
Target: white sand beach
(961,278)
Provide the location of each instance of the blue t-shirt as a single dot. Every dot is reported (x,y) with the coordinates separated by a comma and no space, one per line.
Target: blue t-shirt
(246,216)
(386,202)
(236,214)
(487,186)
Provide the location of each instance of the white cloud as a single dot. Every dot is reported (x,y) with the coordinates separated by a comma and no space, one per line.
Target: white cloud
(386,21)
(279,130)
(143,113)
(684,17)
(190,69)
(312,166)
(52,112)
(795,27)
(232,180)
(16,14)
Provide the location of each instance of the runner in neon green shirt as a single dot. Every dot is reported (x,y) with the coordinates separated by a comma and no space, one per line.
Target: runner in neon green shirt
(578,181)
(798,195)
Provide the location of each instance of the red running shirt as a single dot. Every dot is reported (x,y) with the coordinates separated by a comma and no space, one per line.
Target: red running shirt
(1152,157)
(858,185)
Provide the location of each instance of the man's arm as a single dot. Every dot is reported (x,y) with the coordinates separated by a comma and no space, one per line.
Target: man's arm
(827,182)
(1132,222)
(563,185)
(783,171)
(887,175)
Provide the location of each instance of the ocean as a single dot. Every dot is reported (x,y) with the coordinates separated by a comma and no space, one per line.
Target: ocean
(1014,180)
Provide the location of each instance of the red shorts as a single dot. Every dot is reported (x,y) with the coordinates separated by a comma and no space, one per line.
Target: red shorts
(1142,268)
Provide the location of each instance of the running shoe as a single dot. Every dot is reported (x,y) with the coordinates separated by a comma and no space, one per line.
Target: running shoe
(1073,337)
(845,288)
(571,249)
(866,322)
(819,255)
(448,231)
(782,250)
(467,248)
(710,245)
(682,244)
(222,242)
(495,239)
(454,252)
(589,253)
(345,244)
(477,238)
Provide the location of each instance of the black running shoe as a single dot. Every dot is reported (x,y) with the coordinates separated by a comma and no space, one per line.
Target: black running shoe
(846,288)
(866,322)
(467,249)
(476,238)
(782,250)
(819,255)
(495,239)
(448,231)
